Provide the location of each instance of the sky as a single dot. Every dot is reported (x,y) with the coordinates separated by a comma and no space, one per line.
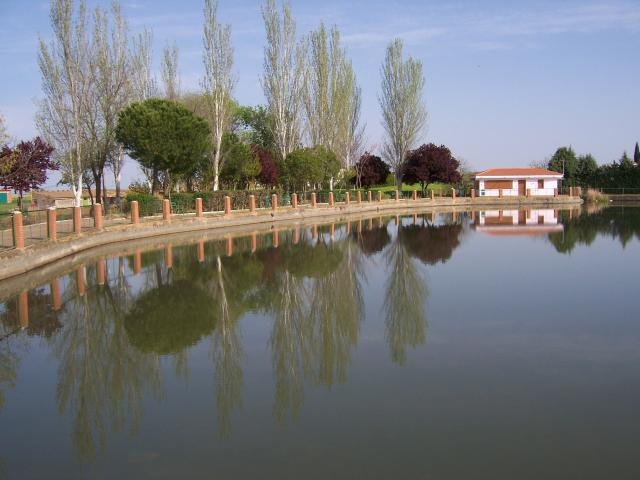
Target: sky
(507,82)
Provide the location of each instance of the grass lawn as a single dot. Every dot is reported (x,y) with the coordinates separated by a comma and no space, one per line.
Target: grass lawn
(10,207)
(436,187)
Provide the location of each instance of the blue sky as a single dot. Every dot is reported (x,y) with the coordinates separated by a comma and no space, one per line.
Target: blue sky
(507,82)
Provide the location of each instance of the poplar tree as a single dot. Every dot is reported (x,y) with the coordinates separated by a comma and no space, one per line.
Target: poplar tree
(404,113)
(282,79)
(170,78)
(332,97)
(218,82)
(636,155)
(64,68)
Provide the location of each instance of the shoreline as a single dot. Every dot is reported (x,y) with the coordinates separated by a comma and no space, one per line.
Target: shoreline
(14,263)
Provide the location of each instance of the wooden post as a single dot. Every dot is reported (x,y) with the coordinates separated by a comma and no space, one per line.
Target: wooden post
(473,193)
(571,191)
(97,216)
(331,199)
(198,207)
(252,203)
(414,195)
(227,205)
(379,196)
(52,226)
(294,201)
(453,193)
(274,202)
(166,210)
(433,196)
(18,230)
(359,197)
(313,200)
(77,219)
(369,196)
(346,198)
(397,195)
(135,217)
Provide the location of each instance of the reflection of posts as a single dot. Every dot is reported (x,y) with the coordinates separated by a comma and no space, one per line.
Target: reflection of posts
(101,269)
(55,294)
(254,242)
(296,235)
(332,231)
(137,261)
(23,310)
(347,228)
(80,281)
(201,251)
(275,236)
(314,232)
(168,256)
(229,247)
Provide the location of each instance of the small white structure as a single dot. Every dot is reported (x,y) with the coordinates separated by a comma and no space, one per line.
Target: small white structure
(517,182)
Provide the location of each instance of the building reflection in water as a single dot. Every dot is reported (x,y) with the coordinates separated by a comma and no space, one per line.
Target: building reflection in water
(517,222)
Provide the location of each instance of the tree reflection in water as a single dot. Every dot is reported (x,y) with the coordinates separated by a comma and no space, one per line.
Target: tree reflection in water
(110,339)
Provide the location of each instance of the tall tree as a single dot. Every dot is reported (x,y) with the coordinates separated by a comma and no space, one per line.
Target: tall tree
(331,96)
(282,80)
(404,113)
(4,136)
(109,92)
(636,155)
(163,136)
(586,169)
(24,167)
(370,170)
(218,82)
(564,160)
(170,77)
(64,67)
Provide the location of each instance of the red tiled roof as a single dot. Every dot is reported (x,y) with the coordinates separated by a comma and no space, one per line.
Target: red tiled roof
(513,172)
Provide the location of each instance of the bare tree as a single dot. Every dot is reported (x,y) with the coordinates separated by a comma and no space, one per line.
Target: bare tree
(282,80)
(218,81)
(332,97)
(170,78)
(404,113)
(109,92)
(64,67)
(142,84)
(4,136)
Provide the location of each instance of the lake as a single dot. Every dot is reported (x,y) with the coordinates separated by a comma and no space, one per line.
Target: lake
(484,345)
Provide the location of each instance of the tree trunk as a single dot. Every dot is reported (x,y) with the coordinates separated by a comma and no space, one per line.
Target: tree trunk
(154,181)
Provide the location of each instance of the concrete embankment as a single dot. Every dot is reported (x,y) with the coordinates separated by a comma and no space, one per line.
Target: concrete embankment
(119,236)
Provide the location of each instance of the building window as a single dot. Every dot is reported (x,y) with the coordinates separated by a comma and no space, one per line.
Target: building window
(540,184)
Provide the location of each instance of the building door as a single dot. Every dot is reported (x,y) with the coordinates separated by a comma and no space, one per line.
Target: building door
(522,187)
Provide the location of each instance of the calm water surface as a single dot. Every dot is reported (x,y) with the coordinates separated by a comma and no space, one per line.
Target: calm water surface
(497,345)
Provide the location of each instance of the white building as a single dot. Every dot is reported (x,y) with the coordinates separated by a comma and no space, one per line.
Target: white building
(514,182)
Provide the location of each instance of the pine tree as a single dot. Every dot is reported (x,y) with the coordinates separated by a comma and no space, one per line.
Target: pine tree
(636,155)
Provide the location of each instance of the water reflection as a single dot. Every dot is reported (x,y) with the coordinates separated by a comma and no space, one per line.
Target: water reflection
(113,324)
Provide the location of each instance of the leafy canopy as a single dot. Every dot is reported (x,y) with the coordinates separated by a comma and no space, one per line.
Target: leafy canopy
(164,135)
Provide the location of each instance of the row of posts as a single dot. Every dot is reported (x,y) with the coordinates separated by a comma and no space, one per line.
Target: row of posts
(52,234)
